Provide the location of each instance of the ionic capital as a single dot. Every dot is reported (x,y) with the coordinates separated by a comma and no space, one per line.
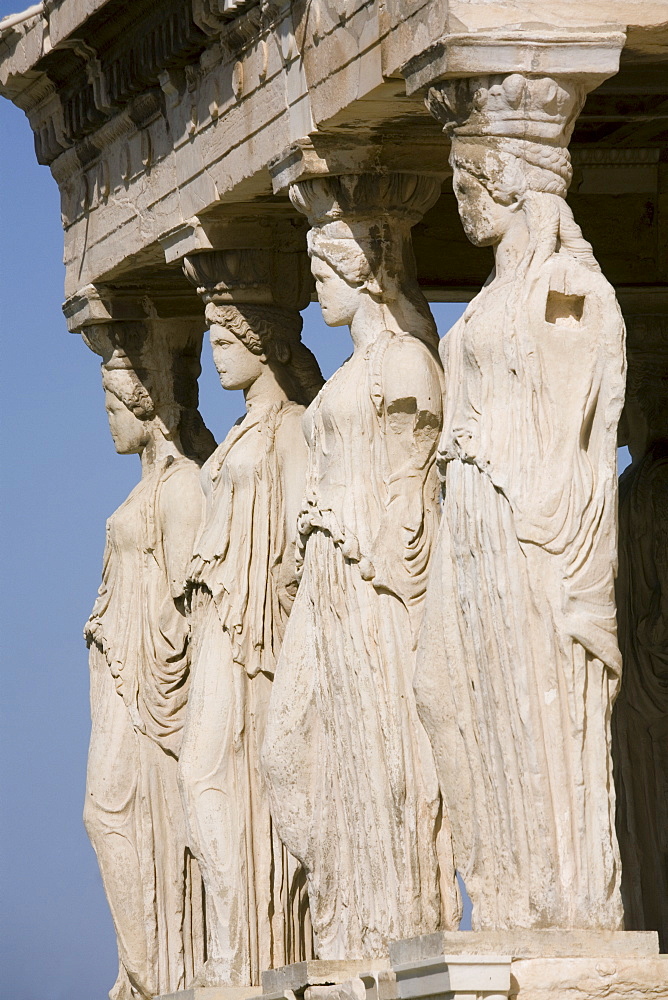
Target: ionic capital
(148,330)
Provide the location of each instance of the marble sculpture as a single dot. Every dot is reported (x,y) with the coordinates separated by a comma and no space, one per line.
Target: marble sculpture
(354,792)
(140,660)
(368,643)
(241,585)
(519,664)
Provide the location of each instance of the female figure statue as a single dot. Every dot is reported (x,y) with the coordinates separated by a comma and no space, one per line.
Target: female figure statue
(519,664)
(353,787)
(242,584)
(139,661)
(640,717)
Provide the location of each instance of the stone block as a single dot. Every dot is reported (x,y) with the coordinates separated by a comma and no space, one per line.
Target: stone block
(303,975)
(486,975)
(590,978)
(529,965)
(520,944)
(214,993)
(593,55)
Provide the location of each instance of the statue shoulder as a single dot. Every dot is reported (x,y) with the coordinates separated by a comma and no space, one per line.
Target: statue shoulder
(411,367)
(569,293)
(180,488)
(289,426)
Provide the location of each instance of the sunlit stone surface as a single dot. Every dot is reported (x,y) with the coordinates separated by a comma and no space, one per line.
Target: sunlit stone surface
(445,650)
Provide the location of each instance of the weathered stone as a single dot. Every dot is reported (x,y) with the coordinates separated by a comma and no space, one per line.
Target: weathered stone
(518,709)
(182,130)
(522,943)
(317,972)
(214,993)
(138,639)
(353,787)
(241,583)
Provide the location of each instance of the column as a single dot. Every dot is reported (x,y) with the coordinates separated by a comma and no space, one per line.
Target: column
(519,665)
(241,585)
(138,633)
(353,787)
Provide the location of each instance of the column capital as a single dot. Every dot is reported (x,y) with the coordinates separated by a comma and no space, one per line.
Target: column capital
(590,56)
(246,226)
(253,276)
(327,155)
(96,304)
(146,328)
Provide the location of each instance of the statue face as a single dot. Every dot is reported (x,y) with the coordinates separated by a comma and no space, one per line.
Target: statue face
(129,433)
(237,367)
(339,301)
(485,221)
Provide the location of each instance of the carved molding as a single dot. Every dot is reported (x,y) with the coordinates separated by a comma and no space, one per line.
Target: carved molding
(260,277)
(243,226)
(99,304)
(322,155)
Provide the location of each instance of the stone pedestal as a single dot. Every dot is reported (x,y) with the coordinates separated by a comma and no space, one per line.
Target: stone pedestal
(538,965)
(214,993)
(477,965)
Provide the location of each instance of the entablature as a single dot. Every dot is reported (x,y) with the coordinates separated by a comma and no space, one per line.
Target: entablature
(152,114)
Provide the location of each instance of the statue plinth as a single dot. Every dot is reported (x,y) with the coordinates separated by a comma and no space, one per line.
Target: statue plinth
(476,965)
(536,965)
(214,993)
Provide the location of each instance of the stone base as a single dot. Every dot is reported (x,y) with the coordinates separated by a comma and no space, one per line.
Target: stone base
(531,965)
(302,975)
(526,944)
(476,965)
(214,993)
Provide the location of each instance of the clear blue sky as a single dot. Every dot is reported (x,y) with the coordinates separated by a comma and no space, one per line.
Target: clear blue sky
(61,479)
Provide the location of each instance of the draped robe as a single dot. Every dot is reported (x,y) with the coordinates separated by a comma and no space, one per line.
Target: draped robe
(140,671)
(518,665)
(242,584)
(353,787)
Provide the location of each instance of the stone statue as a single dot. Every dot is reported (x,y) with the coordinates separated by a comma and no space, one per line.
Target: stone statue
(640,717)
(139,659)
(242,583)
(519,664)
(353,786)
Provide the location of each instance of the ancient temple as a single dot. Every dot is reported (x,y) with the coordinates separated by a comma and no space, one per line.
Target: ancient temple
(405,625)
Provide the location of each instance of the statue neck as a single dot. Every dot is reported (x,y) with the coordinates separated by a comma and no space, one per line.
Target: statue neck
(369,321)
(512,247)
(264,391)
(157,450)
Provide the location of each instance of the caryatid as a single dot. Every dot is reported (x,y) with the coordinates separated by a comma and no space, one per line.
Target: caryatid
(241,583)
(140,657)
(354,790)
(519,664)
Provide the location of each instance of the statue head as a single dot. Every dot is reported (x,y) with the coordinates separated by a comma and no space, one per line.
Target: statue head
(360,244)
(252,300)
(509,155)
(246,339)
(149,375)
